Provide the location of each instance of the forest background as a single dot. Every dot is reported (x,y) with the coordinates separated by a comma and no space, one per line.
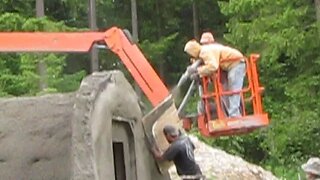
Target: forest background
(285,32)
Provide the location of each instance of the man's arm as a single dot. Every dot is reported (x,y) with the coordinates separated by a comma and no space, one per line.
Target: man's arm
(211,63)
(168,155)
(156,153)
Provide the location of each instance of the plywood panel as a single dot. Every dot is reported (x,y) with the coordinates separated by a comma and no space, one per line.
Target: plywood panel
(164,114)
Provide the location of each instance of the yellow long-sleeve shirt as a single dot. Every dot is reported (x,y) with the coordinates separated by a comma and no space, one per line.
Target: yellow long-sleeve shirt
(215,55)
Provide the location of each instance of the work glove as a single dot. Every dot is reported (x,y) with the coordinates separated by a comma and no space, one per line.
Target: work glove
(192,60)
(191,70)
(195,77)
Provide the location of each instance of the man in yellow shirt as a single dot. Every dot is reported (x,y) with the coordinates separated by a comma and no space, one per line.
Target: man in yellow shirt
(216,55)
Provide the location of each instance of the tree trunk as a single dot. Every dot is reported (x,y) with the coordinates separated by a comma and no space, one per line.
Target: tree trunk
(317,7)
(42,67)
(161,64)
(195,20)
(134,20)
(39,8)
(135,36)
(93,26)
(158,22)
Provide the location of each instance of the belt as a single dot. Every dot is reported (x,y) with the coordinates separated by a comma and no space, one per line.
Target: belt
(197,176)
(241,59)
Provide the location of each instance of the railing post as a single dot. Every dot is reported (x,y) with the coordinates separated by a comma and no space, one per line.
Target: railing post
(257,103)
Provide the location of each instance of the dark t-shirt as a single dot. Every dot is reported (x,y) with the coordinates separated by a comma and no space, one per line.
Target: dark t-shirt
(181,153)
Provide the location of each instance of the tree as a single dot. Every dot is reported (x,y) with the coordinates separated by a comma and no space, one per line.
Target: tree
(19,71)
(134,20)
(42,67)
(93,26)
(195,20)
(284,32)
(135,35)
(317,7)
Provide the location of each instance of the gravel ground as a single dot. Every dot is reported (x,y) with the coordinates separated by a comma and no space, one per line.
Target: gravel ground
(217,164)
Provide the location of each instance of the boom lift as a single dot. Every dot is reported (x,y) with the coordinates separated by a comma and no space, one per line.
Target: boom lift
(118,42)
(212,90)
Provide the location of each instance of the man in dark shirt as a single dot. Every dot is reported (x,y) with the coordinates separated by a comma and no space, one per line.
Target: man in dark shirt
(181,153)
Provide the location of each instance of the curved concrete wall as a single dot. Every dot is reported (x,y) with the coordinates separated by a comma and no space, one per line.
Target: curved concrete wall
(35,137)
(107,106)
(95,133)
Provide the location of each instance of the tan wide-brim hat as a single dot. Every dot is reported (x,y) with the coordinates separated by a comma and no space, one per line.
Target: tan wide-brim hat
(312,166)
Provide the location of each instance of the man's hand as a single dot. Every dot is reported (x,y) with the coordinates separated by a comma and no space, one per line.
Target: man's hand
(193,60)
(154,149)
(191,69)
(194,77)
(156,152)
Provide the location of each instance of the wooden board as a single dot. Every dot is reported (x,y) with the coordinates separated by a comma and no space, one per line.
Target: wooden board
(164,114)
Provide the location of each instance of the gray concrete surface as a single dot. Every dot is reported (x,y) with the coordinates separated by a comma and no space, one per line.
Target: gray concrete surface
(95,133)
(107,113)
(35,137)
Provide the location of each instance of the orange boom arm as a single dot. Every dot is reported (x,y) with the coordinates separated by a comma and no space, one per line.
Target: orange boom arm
(114,38)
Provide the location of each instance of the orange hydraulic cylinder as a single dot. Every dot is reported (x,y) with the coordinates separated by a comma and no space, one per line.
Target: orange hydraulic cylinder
(137,64)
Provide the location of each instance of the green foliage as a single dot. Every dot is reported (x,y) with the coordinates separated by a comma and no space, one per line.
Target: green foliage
(285,173)
(156,53)
(11,22)
(19,72)
(284,32)
(25,7)
(69,82)
(154,50)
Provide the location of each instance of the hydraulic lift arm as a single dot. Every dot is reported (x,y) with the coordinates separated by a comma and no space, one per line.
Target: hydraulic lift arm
(164,111)
(114,38)
(164,108)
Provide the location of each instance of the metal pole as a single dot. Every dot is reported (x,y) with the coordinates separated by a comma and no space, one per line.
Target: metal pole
(186,97)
